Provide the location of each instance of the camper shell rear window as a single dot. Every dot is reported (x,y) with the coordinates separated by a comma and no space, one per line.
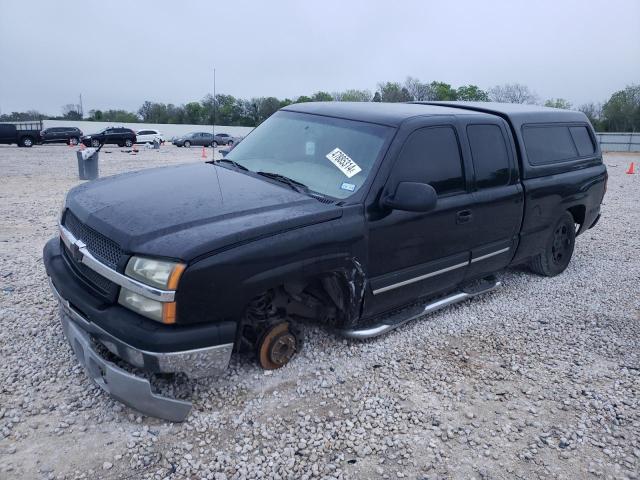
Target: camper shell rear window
(554,143)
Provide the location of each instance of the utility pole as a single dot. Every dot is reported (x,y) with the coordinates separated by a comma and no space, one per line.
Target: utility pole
(213,127)
(81,109)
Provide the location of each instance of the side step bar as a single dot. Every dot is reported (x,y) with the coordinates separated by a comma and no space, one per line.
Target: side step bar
(399,319)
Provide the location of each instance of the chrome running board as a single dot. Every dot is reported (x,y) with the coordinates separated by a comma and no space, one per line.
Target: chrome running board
(404,316)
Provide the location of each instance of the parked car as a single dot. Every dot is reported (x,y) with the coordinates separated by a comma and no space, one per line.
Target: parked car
(23,134)
(357,217)
(148,136)
(198,139)
(68,135)
(223,139)
(121,136)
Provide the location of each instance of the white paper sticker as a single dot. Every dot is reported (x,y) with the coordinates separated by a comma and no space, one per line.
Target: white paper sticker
(343,162)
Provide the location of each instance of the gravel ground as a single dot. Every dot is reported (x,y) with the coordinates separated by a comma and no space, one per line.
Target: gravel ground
(539,379)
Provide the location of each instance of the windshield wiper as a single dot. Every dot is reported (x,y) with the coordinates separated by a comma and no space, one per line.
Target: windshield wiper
(228,160)
(294,184)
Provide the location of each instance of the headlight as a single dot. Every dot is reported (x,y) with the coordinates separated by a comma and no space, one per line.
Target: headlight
(142,305)
(156,273)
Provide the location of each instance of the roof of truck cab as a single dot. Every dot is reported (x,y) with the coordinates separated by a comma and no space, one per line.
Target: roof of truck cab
(516,113)
(392,114)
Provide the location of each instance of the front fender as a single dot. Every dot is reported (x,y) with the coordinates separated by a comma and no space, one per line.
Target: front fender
(219,287)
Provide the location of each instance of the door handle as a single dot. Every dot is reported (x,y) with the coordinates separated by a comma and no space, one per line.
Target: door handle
(464,216)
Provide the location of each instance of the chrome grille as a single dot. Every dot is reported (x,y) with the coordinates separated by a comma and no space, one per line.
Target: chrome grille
(97,281)
(104,249)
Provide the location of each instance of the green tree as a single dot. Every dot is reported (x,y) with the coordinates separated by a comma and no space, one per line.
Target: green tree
(558,103)
(322,97)
(393,92)
(471,93)
(193,113)
(152,112)
(119,116)
(95,115)
(377,97)
(268,106)
(593,111)
(621,113)
(71,112)
(442,91)
(303,99)
(352,95)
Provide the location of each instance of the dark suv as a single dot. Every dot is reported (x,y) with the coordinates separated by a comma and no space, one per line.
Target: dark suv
(68,135)
(123,137)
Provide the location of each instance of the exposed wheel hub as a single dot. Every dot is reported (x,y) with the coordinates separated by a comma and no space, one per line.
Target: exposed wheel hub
(277,347)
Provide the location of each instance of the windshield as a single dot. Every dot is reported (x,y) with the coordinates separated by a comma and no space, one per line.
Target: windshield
(331,156)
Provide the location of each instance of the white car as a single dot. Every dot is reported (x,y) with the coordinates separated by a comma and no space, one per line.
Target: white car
(148,136)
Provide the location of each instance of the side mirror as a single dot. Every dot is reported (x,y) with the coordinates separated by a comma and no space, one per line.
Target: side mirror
(412,197)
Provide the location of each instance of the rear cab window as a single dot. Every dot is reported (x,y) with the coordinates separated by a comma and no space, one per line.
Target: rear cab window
(490,155)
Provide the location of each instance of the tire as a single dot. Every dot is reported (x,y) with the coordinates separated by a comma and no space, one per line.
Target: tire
(187,144)
(214,144)
(128,143)
(559,248)
(230,143)
(74,141)
(26,142)
(95,143)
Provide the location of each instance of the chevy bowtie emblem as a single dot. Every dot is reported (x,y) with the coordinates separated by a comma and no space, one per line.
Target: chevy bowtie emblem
(76,251)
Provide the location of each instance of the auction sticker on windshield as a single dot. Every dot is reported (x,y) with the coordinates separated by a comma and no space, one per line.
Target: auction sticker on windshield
(344,162)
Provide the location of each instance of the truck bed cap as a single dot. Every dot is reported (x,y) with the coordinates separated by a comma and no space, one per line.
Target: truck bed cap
(516,113)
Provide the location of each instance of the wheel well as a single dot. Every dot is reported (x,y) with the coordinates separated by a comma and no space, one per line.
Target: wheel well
(324,299)
(578,213)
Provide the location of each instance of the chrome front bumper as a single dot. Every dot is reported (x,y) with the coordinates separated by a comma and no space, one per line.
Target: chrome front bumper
(125,387)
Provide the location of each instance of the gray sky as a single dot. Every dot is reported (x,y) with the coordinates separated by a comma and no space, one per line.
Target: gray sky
(120,53)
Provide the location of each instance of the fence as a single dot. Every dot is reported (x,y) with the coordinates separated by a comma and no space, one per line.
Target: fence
(619,142)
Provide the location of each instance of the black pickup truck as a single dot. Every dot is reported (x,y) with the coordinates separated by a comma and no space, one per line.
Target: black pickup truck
(23,134)
(359,217)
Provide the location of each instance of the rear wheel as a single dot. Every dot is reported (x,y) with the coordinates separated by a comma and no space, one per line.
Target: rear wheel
(128,142)
(230,143)
(187,144)
(95,143)
(73,141)
(26,142)
(559,248)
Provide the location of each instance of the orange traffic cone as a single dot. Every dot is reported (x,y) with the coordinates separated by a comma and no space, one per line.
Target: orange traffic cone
(631,170)
(204,152)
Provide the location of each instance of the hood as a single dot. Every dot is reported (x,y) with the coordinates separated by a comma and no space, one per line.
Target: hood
(181,212)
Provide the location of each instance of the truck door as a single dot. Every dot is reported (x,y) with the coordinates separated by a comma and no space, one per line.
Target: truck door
(498,197)
(416,254)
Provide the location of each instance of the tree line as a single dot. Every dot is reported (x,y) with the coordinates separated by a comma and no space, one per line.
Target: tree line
(621,112)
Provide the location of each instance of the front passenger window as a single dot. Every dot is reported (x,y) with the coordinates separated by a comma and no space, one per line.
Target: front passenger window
(432,155)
